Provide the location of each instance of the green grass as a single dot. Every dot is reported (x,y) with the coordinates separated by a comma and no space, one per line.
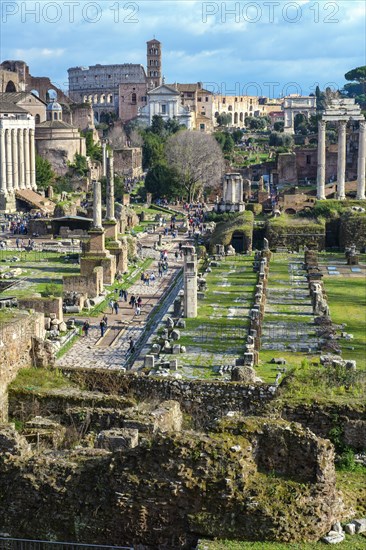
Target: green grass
(347,303)
(44,379)
(357,542)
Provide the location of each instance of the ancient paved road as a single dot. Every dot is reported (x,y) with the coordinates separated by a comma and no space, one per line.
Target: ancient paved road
(112,351)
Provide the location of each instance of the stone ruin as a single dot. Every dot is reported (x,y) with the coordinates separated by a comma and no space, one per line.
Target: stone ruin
(351,255)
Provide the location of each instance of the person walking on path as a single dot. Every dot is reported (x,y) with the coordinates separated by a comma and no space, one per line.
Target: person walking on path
(125,294)
(131,345)
(85,328)
(111,305)
(133,301)
(116,307)
(105,319)
(102,326)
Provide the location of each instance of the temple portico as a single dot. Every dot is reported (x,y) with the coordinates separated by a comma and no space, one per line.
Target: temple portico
(232,194)
(17,154)
(341,111)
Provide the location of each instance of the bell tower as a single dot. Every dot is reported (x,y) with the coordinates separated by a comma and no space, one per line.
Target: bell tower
(153,69)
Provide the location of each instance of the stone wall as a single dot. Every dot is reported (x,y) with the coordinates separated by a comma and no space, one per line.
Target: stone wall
(43,305)
(204,400)
(128,162)
(17,330)
(353,230)
(169,489)
(91,285)
(350,422)
(293,233)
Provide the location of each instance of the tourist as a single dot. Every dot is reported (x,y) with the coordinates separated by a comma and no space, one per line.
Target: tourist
(137,310)
(132,301)
(125,294)
(105,319)
(139,301)
(111,305)
(121,293)
(102,326)
(116,307)
(131,345)
(85,328)
(152,277)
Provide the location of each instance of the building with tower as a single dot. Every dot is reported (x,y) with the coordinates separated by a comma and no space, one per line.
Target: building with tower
(117,90)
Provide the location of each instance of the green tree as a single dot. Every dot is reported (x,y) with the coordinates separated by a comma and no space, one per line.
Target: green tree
(279,126)
(280,140)
(225,141)
(93,149)
(237,135)
(224,119)
(256,122)
(44,173)
(157,125)
(80,165)
(152,150)
(357,85)
(163,181)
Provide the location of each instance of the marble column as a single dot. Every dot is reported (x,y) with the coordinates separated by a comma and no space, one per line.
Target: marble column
(9,171)
(341,162)
(97,205)
(3,174)
(321,160)
(224,191)
(110,188)
(361,161)
(233,190)
(27,159)
(21,163)
(32,160)
(14,147)
(104,148)
(190,281)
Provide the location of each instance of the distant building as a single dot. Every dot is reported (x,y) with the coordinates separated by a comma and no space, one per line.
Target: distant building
(58,141)
(28,101)
(117,90)
(165,101)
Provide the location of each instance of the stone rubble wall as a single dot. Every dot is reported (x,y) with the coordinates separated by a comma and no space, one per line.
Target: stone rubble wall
(16,350)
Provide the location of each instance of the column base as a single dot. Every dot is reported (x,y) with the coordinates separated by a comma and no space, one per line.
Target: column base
(7,203)
(360,197)
(341,197)
(321,197)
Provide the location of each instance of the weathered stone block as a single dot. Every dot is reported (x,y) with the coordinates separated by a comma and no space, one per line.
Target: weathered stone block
(117,439)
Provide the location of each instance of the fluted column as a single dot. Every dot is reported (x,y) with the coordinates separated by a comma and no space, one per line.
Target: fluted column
(110,187)
(341,162)
(14,148)
(361,161)
(3,174)
(27,159)
(97,205)
(32,160)
(9,162)
(21,163)
(321,160)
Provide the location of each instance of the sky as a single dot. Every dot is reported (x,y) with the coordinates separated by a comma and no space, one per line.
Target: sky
(269,48)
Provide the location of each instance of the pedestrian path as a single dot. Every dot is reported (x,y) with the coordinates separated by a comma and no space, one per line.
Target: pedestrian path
(112,350)
(288,320)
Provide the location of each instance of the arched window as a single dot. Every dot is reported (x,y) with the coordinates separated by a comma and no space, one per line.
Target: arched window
(51,95)
(37,119)
(10,87)
(230,108)
(235,118)
(241,117)
(133,99)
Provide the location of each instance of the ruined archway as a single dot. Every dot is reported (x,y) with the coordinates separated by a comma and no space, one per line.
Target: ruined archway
(235,118)
(35,92)
(10,87)
(238,241)
(51,95)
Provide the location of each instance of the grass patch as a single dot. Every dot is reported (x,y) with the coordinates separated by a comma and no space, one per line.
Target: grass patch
(356,542)
(40,379)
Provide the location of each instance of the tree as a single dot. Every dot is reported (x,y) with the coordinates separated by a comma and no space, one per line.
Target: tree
(224,119)
(280,140)
(279,126)
(80,165)
(152,150)
(198,159)
(93,149)
(237,136)
(225,141)
(256,122)
(163,181)
(44,173)
(357,85)
(157,125)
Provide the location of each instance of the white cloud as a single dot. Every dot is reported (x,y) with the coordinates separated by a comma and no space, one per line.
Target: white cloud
(36,53)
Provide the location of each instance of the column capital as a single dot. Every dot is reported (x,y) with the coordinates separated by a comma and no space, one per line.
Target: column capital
(322,124)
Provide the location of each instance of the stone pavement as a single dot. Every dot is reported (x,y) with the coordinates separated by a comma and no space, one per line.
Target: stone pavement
(112,351)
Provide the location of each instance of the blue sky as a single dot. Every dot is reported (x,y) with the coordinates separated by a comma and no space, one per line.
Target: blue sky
(259,48)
